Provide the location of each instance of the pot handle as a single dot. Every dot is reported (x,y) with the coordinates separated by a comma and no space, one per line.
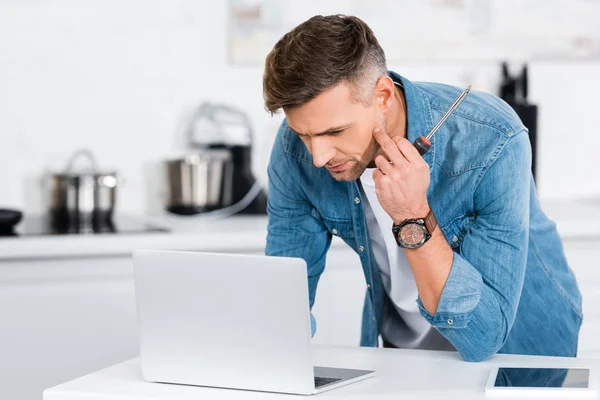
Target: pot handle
(79,154)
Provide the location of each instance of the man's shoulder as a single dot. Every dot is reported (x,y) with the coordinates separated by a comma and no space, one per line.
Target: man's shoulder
(475,134)
(478,108)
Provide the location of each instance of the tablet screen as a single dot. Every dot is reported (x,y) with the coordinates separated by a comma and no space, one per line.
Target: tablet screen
(543,377)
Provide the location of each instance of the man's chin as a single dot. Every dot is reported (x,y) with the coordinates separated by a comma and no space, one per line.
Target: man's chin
(349,175)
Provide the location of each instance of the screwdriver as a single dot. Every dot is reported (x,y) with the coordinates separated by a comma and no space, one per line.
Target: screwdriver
(422,143)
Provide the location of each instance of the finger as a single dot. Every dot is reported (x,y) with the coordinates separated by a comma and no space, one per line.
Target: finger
(377,175)
(389,147)
(408,150)
(382,181)
(383,164)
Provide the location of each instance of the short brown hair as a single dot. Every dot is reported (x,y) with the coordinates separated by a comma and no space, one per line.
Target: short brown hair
(317,55)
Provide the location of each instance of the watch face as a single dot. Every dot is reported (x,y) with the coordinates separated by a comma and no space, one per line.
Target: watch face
(412,234)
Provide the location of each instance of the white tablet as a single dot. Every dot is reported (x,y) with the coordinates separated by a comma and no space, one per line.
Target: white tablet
(542,382)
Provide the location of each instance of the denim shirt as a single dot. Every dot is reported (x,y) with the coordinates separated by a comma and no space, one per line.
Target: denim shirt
(510,289)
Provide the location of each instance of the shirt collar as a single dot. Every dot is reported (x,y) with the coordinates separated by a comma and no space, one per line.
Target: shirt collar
(419,117)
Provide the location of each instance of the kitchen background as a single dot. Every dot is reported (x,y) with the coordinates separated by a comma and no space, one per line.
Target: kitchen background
(122,79)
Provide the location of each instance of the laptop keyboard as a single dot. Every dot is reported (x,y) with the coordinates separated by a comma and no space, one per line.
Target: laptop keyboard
(322,381)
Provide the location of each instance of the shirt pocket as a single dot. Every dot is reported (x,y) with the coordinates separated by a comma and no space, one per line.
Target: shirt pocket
(341,227)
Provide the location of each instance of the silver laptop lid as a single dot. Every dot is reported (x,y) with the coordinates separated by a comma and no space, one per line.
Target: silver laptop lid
(224,320)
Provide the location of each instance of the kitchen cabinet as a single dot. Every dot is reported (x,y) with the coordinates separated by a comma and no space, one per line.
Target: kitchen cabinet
(63,318)
(339,299)
(583,255)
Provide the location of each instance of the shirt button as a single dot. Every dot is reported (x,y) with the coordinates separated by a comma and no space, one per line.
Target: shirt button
(368,286)
(334,231)
(357,200)
(361,248)
(450,322)
(455,239)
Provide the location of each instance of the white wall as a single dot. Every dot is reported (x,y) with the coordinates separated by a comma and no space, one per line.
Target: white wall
(121,77)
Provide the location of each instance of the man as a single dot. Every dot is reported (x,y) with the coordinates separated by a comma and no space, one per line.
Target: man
(456,252)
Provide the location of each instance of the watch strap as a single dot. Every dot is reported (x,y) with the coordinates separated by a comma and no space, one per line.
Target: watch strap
(430,222)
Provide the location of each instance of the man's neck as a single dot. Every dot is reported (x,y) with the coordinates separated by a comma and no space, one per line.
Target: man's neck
(397,123)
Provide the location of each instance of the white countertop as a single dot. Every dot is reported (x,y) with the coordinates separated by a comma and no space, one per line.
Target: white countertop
(236,234)
(400,374)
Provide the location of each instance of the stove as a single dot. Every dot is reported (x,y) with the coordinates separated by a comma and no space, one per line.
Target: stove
(41,225)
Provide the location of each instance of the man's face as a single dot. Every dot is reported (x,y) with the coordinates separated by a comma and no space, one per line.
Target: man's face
(338,131)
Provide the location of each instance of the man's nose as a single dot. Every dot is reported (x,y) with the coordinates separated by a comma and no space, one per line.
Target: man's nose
(322,151)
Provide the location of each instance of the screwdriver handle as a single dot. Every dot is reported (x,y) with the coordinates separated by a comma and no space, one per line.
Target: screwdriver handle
(422,144)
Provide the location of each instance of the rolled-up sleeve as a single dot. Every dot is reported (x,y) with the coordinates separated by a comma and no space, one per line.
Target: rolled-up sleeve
(479,302)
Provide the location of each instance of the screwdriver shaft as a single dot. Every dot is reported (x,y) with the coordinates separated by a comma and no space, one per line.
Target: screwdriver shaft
(453,107)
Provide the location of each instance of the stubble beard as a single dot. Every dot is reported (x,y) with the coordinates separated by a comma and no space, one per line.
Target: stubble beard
(355,172)
(359,167)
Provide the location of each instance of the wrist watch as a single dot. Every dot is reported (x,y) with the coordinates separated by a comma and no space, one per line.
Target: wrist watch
(413,233)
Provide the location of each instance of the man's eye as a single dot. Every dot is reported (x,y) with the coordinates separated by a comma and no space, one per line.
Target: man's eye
(331,133)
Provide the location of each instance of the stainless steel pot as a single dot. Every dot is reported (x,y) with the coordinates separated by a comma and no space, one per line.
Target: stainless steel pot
(84,194)
(200,182)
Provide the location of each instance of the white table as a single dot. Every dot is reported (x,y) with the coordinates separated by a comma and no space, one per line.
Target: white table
(401,374)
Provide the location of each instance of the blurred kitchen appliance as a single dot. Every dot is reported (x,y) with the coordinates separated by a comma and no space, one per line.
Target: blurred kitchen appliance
(200,182)
(514,90)
(217,172)
(82,196)
(9,218)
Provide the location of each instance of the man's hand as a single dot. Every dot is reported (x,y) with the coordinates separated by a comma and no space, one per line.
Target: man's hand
(402,178)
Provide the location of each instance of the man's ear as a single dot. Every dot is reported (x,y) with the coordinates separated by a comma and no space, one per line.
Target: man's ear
(384,93)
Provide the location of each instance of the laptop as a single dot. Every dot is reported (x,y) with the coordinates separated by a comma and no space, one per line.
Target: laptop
(229,321)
